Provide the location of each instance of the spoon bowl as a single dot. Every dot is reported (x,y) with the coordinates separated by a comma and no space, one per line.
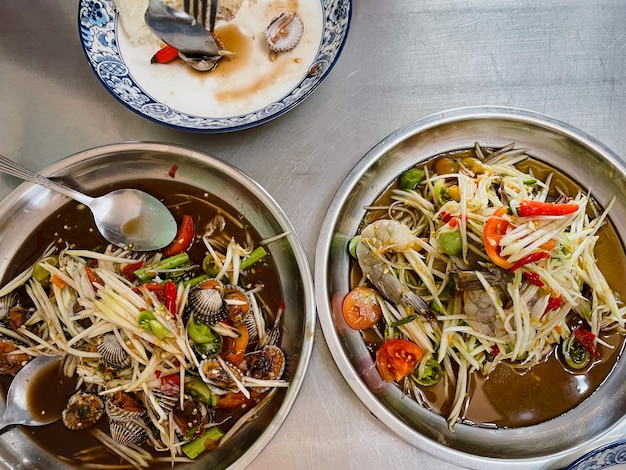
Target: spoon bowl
(124,217)
(18,409)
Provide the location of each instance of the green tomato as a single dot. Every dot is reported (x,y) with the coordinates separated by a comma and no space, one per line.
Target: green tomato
(450,243)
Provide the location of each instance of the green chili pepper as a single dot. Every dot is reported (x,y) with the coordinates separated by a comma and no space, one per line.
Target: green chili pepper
(352,245)
(431,375)
(411,178)
(148,321)
(575,354)
(205,341)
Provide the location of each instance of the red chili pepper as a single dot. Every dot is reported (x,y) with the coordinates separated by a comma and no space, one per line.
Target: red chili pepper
(183,239)
(533,278)
(586,338)
(445,217)
(531,258)
(170,297)
(494,350)
(531,208)
(164,55)
(94,279)
(554,303)
(127,271)
(453,223)
(170,384)
(494,229)
(172,171)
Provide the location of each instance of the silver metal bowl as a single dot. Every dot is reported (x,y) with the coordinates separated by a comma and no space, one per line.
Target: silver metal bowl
(22,212)
(585,160)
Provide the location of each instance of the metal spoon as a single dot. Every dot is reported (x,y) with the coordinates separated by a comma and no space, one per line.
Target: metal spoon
(181,31)
(124,217)
(17,409)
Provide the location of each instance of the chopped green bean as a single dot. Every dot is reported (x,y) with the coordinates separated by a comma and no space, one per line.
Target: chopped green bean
(148,272)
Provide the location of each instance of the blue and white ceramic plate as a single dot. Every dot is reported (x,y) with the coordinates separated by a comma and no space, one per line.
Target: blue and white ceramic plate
(611,456)
(246,90)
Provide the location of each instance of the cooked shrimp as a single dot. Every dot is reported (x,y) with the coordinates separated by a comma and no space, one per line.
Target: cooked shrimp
(377,239)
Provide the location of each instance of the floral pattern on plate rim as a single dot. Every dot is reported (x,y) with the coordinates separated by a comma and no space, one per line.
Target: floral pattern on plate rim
(604,457)
(98,34)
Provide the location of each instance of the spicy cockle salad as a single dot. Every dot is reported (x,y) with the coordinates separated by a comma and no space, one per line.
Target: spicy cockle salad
(172,352)
(479,274)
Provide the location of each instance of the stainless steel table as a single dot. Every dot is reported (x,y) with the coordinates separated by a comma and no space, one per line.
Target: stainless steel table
(404,59)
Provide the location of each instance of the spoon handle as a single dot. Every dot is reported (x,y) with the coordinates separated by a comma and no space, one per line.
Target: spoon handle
(14,169)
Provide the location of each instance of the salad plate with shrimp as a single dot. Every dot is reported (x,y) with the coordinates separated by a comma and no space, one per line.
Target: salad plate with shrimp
(480,288)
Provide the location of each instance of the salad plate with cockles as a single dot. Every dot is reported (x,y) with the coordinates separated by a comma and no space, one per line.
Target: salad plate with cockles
(273,55)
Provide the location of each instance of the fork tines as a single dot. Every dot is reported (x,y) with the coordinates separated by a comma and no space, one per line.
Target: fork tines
(198,9)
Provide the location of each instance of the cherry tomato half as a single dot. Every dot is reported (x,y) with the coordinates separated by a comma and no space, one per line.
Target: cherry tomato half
(361,309)
(397,358)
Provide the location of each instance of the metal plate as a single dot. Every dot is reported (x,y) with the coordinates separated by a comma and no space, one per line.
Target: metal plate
(585,160)
(92,171)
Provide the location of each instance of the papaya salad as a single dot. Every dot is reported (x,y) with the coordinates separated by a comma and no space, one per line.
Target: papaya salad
(172,353)
(471,262)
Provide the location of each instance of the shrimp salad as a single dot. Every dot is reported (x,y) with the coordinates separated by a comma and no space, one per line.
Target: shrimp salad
(172,355)
(469,263)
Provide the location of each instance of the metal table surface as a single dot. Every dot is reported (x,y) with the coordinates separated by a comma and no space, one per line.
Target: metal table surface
(404,59)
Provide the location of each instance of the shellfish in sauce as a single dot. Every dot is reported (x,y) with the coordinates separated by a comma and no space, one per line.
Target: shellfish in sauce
(284,32)
(132,417)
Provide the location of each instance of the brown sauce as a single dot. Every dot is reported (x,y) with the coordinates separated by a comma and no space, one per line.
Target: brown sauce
(74,224)
(511,397)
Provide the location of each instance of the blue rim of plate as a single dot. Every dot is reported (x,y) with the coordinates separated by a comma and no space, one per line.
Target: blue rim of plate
(607,456)
(97,24)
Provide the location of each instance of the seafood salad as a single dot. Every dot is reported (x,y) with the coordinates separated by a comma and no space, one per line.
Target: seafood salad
(473,262)
(171,353)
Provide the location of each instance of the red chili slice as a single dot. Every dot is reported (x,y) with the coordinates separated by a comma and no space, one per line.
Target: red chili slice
(532,208)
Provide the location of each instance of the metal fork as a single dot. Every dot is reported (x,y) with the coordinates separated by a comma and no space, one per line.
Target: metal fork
(198,8)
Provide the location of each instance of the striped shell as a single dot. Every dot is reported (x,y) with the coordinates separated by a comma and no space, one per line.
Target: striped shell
(206,303)
(266,364)
(128,432)
(7,302)
(284,32)
(112,354)
(214,374)
(123,406)
(82,411)
(165,402)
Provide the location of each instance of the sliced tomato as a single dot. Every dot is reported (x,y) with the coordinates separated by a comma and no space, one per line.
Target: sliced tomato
(234,349)
(361,309)
(183,239)
(494,229)
(397,358)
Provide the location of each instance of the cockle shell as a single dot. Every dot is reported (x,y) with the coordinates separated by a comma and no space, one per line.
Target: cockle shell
(214,374)
(112,354)
(237,304)
(117,409)
(284,32)
(82,411)
(206,302)
(7,302)
(266,364)
(128,432)
(166,402)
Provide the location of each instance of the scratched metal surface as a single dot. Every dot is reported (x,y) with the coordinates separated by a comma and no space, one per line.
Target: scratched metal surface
(404,59)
